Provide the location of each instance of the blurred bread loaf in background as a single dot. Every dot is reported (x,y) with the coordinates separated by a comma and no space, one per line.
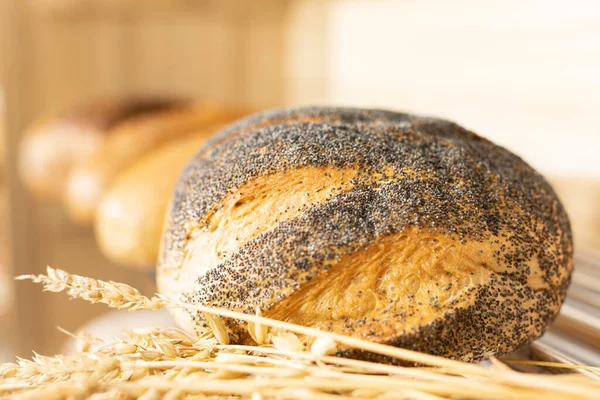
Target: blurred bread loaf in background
(90,178)
(120,157)
(54,144)
(130,217)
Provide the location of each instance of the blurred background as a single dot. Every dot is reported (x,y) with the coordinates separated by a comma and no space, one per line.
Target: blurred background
(523,73)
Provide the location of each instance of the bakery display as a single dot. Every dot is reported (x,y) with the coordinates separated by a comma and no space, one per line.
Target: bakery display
(124,157)
(390,227)
(130,217)
(89,180)
(51,146)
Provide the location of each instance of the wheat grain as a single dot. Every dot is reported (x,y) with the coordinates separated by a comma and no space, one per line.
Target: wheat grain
(78,287)
(114,294)
(287,342)
(151,394)
(171,364)
(323,346)
(217,327)
(258,331)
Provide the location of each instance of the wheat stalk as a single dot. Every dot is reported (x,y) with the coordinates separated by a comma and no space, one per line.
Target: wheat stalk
(171,364)
(123,296)
(550,364)
(114,294)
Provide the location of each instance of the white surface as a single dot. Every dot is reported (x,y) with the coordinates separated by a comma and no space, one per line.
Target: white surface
(524,73)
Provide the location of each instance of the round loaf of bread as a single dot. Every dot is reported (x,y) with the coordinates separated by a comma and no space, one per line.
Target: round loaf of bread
(399,229)
(53,145)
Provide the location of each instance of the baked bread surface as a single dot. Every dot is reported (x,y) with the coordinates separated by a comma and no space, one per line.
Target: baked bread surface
(400,229)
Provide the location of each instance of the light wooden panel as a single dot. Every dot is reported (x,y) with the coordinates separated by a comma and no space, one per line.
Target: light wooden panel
(7,329)
(264,52)
(83,9)
(231,52)
(77,59)
(524,73)
(306,60)
(25,331)
(173,55)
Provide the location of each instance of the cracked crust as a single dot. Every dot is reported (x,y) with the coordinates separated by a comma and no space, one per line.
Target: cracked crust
(392,227)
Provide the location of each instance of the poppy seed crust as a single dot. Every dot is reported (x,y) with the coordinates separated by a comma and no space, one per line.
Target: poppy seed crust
(396,228)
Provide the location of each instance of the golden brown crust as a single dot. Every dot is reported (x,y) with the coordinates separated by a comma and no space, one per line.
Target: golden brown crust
(53,145)
(127,142)
(438,240)
(247,212)
(130,217)
(413,275)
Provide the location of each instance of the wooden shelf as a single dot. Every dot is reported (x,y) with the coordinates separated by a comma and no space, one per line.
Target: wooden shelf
(78,8)
(117,8)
